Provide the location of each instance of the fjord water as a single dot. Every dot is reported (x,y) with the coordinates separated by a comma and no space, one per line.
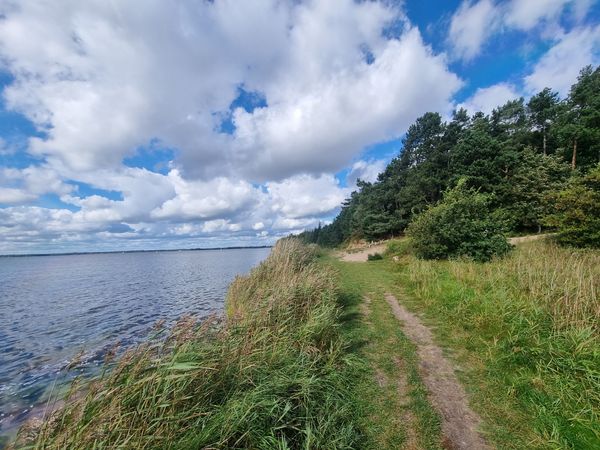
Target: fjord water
(54,308)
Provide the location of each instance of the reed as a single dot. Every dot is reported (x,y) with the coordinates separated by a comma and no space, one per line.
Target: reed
(273,374)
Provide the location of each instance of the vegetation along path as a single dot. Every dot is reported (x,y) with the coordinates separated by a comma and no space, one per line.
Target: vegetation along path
(440,395)
(473,356)
(459,422)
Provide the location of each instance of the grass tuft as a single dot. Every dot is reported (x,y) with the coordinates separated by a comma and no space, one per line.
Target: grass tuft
(531,321)
(274,374)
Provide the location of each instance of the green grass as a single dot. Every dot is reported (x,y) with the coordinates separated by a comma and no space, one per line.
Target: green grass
(277,374)
(303,362)
(525,331)
(390,419)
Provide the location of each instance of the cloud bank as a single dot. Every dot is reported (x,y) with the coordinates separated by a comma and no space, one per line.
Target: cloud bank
(257,104)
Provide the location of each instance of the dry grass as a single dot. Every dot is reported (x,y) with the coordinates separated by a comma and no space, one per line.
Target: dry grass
(533,318)
(563,281)
(274,375)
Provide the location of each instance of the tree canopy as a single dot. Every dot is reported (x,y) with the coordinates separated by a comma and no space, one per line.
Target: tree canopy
(521,155)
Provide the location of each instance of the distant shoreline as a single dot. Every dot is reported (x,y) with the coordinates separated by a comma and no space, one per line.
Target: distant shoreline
(135,251)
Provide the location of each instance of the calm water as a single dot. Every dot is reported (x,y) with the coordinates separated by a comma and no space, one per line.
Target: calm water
(54,307)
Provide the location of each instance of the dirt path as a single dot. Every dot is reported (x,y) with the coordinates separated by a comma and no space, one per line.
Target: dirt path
(459,422)
(361,255)
(402,387)
(532,237)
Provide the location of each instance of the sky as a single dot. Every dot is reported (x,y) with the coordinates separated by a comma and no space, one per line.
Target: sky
(145,124)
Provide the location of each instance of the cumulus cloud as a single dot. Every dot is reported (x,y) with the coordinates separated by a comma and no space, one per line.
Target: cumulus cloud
(476,21)
(559,67)
(365,171)
(21,185)
(305,196)
(206,200)
(470,27)
(102,79)
(99,80)
(486,99)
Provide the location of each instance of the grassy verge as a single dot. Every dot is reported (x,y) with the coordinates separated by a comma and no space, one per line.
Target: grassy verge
(395,412)
(277,374)
(525,331)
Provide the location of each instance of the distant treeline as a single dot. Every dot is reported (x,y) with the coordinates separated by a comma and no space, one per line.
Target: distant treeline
(521,154)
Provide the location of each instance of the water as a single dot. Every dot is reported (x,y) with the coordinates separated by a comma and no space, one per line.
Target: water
(54,307)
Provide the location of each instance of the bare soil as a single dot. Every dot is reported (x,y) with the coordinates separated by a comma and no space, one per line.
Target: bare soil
(447,395)
(402,387)
(532,237)
(362,254)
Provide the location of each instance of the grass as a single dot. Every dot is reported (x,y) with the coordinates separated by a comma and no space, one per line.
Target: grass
(276,374)
(395,412)
(525,330)
(303,361)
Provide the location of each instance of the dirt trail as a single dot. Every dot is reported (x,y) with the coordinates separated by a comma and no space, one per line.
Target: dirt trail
(459,422)
(402,387)
(532,237)
(362,254)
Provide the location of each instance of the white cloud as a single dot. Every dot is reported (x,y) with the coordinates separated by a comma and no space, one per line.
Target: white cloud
(206,200)
(13,195)
(21,185)
(365,171)
(525,14)
(100,79)
(305,196)
(486,99)
(471,26)
(476,21)
(559,67)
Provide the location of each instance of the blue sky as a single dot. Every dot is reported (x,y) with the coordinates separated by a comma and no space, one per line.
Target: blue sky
(200,125)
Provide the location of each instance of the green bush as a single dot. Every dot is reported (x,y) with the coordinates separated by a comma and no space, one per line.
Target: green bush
(374,257)
(577,211)
(462,224)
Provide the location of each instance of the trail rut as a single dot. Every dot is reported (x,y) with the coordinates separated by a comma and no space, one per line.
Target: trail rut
(447,395)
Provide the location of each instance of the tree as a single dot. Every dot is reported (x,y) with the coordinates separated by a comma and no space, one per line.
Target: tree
(480,158)
(543,109)
(492,153)
(577,211)
(462,224)
(535,179)
(579,121)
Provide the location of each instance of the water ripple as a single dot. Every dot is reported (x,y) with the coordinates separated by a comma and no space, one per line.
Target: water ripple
(54,307)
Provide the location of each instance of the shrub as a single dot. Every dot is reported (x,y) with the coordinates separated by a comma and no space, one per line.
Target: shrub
(374,257)
(577,211)
(462,224)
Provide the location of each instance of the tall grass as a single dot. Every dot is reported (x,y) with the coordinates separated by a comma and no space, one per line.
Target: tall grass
(273,375)
(534,319)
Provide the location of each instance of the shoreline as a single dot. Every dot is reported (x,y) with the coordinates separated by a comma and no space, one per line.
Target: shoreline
(17,255)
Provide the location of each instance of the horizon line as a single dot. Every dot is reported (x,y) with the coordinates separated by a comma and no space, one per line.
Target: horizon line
(235,247)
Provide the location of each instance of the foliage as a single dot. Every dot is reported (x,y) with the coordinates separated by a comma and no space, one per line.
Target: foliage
(529,327)
(519,153)
(374,257)
(577,211)
(460,225)
(275,375)
(535,180)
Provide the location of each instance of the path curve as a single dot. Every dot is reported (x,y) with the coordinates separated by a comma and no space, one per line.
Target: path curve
(448,396)
(363,254)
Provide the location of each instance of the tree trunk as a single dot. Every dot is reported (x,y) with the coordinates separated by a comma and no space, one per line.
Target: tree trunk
(574,159)
(544,144)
